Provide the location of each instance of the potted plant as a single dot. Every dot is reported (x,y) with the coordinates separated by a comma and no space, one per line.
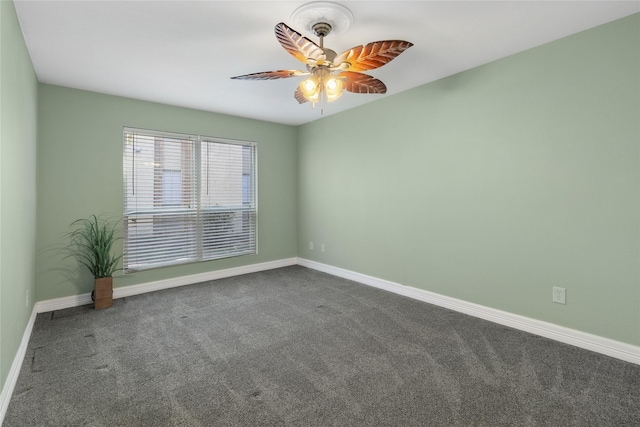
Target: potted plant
(91,243)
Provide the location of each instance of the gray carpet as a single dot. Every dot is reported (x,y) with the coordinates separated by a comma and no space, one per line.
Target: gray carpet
(296,347)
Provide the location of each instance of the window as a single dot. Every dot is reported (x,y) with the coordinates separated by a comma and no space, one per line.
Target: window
(187,198)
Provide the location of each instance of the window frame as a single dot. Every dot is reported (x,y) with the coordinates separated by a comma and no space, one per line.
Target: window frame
(201,210)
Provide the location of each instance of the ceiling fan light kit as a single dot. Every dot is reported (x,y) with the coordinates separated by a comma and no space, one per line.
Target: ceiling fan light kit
(329,73)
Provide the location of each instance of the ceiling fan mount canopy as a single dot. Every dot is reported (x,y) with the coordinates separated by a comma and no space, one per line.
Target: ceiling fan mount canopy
(338,17)
(321,29)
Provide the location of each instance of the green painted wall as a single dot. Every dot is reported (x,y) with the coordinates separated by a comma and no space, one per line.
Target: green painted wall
(80,173)
(494,185)
(18,138)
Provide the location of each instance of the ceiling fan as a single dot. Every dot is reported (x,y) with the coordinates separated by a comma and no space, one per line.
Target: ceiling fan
(330,73)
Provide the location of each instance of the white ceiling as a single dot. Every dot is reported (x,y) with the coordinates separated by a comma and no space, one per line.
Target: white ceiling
(184,52)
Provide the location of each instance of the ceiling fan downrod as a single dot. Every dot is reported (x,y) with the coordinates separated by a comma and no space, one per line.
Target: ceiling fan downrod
(321,29)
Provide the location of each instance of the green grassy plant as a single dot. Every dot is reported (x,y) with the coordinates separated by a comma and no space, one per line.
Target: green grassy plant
(91,242)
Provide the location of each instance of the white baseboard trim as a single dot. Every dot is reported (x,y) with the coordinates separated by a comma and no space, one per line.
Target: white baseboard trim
(202,277)
(64,302)
(14,371)
(126,291)
(598,344)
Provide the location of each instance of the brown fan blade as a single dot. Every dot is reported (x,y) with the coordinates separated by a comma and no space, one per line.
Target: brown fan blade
(362,83)
(299,96)
(270,75)
(373,55)
(296,44)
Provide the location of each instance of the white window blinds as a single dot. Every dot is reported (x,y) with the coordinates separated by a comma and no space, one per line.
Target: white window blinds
(187,198)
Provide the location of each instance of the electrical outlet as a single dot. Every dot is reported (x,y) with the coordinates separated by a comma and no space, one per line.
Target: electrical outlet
(559,295)
(322,247)
(311,245)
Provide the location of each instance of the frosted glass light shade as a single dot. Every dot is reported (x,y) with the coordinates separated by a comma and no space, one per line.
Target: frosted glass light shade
(311,88)
(333,88)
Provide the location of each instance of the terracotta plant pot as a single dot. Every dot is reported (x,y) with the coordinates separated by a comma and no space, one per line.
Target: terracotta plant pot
(103,293)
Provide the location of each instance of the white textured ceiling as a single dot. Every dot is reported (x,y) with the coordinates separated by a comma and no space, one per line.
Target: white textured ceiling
(184,52)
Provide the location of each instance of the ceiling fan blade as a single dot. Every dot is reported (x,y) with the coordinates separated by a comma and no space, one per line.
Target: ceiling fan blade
(299,96)
(362,83)
(296,44)
(373,55)
(271,75)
